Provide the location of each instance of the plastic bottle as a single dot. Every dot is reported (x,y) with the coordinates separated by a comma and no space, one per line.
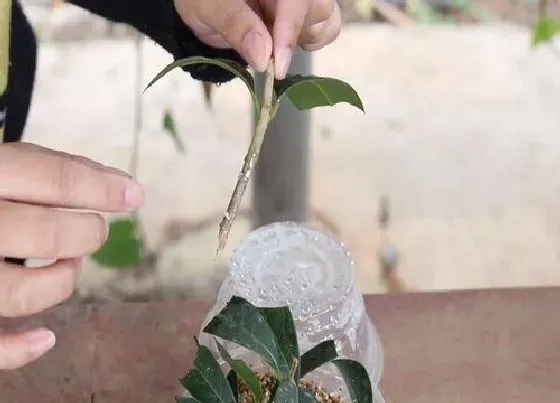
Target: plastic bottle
(307,269)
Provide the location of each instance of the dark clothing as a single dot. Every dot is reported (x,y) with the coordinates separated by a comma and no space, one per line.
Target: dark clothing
(156,19)
(21,75)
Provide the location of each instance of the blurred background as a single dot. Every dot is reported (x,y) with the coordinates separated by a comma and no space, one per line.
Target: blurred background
(451,179)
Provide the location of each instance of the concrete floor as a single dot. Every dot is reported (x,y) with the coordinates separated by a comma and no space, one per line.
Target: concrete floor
(462,134)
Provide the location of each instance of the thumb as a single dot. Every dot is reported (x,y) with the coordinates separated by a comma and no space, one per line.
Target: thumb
(241,27)
(17,350)
(289,19)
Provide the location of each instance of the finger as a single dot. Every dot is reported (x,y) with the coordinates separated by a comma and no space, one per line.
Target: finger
(205,33)
(17,350)
(26,291)
(215,40)
(320,11)
(236,22)
(35,174)
(36,232)
(319,35)
(289,18)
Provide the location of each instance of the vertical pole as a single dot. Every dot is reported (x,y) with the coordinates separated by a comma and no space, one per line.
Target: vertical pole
(281,175)
(5,18)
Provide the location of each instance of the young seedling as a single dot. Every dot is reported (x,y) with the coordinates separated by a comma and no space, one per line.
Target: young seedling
(270,334)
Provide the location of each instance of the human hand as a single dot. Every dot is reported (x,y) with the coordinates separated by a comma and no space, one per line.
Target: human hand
(242,25)
(35,183)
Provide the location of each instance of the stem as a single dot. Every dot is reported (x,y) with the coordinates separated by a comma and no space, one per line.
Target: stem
(293,369)
(5,18)
(250,158)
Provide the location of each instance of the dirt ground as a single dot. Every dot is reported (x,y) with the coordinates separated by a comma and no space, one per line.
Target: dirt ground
(461,134)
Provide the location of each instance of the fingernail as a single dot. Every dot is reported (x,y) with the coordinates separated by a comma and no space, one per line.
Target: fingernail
(40,341)
(283,57)
(134,196)
(117,171)
(256,49)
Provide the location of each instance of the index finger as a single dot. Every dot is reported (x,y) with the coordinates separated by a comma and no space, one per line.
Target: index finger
(289,19)
(38,175)
(29,291)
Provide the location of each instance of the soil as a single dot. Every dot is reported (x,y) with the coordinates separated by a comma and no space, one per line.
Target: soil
(268,383)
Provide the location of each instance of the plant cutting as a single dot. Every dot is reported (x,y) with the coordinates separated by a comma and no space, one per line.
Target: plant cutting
(304,92)
(270,334)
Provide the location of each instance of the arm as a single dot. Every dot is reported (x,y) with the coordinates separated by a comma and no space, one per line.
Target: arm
(158,20)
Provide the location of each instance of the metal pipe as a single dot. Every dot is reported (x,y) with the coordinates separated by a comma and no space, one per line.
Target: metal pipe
(280,180)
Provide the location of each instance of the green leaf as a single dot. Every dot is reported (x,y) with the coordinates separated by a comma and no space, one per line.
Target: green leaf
(122,249)
(319,355)
(311,91)
(545,30)
(281,322)
(243,371)
(232,380)
(357,380)
(305,396)
(170,128)
(242,323)
(289,392)
(233,67)
(206,382)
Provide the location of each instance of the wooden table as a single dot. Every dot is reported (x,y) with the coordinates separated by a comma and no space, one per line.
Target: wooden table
(453,347)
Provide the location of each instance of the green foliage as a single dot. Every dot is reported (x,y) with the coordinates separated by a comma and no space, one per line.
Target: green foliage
(232,380)
(206,382)
(281,322)
(545,30)
(357,381)
(228,65)
(319,355)
(289,392)
(242,370)
(242,323)
(310,92)
(304,92)
(123,249)
(271,334)
(170,128)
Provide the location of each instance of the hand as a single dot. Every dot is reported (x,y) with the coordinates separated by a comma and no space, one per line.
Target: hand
(35,183)
(242,25)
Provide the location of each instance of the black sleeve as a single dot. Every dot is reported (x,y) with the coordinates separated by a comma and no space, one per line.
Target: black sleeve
(158,20)
(21,74)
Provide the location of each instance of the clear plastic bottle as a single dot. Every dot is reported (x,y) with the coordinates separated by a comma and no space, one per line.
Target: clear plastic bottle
(307,269)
